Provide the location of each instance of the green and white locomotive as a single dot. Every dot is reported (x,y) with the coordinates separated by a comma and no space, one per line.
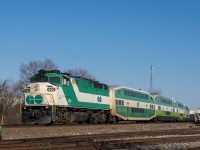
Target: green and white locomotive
(55,97)
(58,97)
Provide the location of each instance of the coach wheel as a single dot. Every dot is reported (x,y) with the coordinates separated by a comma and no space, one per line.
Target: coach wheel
(155,119)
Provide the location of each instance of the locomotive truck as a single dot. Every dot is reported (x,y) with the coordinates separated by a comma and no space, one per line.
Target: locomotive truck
(55,97)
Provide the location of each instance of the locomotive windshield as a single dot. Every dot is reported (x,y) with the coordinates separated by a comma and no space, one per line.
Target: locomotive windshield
(39,78)
(52,80)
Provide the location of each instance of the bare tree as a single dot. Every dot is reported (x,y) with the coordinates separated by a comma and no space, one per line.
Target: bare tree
(9,102)
(11,93)
(27,70)
(81,73)
(6,96)
(18,88)
(48,64)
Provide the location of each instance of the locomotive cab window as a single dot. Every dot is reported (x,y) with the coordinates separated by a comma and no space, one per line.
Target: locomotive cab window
(39,79)
(54,80)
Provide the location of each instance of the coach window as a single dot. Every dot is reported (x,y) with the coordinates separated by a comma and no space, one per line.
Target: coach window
(116,102)
(122,103)
(125,92)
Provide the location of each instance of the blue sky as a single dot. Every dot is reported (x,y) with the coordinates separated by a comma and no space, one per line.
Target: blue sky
(114,40)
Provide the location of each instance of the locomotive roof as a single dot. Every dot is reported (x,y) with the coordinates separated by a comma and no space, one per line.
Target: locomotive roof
(41,71)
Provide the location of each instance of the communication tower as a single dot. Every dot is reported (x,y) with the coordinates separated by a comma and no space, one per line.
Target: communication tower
(151,78)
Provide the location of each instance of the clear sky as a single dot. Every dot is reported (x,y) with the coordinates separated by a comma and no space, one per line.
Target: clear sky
(115,40)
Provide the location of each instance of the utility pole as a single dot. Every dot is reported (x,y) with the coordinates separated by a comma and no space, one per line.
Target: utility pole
(151,78)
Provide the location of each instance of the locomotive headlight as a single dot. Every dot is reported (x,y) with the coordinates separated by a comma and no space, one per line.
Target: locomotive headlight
(37,87)
(27,90)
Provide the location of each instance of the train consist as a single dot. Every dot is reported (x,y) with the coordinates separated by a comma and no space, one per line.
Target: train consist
(55,97)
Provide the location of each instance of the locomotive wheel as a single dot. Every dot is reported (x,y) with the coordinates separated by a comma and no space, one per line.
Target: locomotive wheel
(103,118)
(96,118)
(155,120)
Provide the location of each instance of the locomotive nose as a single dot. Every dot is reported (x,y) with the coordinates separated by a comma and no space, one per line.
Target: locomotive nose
(40,94)
(37,87)
(33,88)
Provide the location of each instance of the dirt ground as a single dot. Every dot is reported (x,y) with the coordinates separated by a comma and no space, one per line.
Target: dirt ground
(121,136)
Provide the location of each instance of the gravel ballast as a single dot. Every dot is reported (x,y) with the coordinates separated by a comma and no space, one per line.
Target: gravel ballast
(26,132)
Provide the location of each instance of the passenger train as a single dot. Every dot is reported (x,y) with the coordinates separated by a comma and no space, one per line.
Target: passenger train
(55,97)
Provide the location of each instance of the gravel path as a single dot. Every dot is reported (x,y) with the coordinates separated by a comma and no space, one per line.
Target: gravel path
(26,132)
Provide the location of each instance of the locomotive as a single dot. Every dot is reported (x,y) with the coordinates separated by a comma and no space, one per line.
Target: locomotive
(55,97)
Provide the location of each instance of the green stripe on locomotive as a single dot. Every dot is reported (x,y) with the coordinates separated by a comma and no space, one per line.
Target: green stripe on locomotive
(91,87)
(73,100)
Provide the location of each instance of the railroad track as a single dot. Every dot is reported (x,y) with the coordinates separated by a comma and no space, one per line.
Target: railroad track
(86,124)
(125,140)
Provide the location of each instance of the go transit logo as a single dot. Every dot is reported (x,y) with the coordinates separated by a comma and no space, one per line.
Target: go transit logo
(34,100)
(99,99)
